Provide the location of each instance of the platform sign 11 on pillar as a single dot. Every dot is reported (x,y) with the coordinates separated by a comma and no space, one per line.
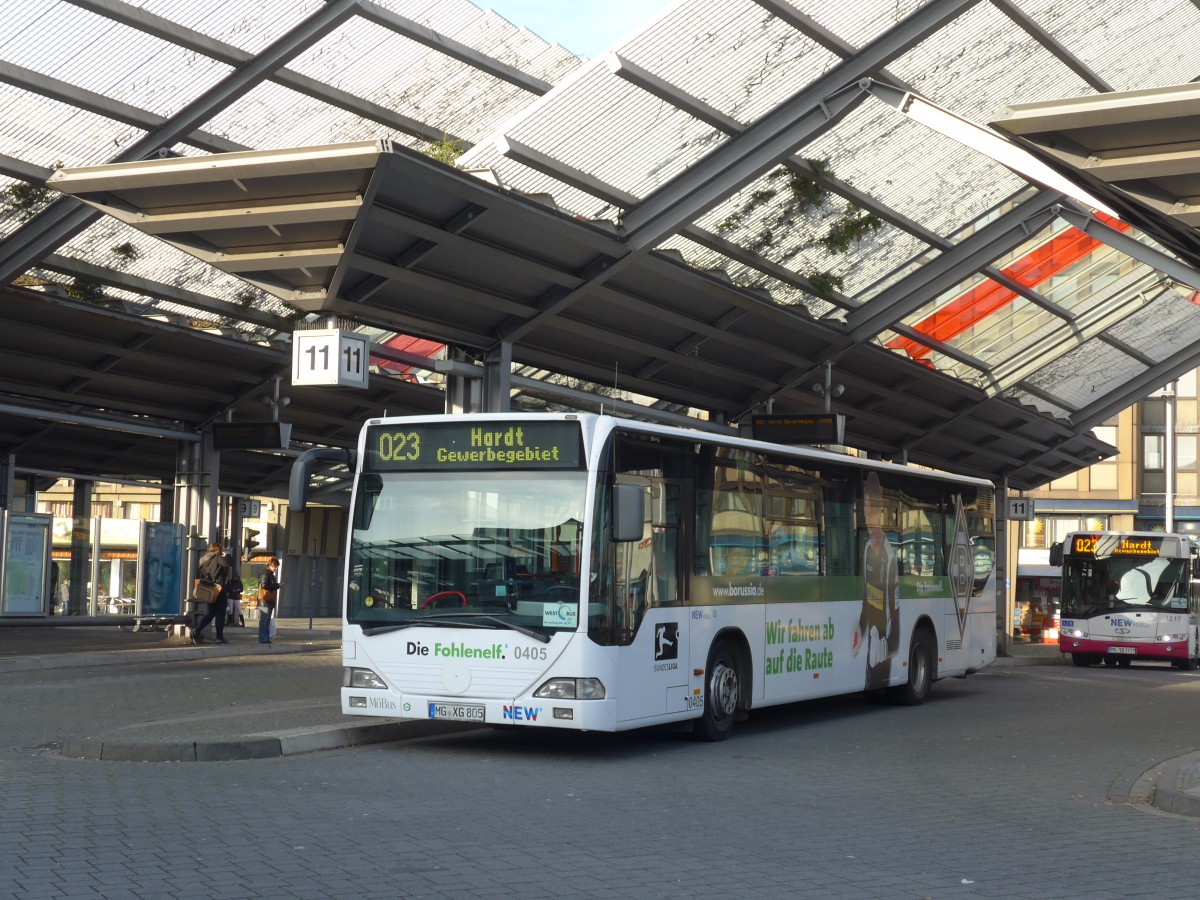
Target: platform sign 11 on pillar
(329,357)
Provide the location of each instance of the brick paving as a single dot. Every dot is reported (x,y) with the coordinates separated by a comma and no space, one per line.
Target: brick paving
(1022,781)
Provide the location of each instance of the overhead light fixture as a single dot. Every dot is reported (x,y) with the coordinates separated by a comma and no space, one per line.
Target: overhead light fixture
(982,140)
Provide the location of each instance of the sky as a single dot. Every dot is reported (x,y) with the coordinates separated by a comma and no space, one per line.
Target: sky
(585,27)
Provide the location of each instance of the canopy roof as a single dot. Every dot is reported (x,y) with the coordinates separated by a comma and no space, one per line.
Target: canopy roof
(706,216)
(1137,150)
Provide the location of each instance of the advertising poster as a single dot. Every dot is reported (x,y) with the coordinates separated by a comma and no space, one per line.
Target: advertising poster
(26,546)
(162,568)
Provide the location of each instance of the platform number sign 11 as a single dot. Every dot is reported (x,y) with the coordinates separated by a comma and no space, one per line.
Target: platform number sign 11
(329,357)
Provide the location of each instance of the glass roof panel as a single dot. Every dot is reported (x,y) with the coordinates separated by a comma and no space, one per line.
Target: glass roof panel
(248,26)
(994,62)
(44,132)
(860,22)
(734,55)
(362,58)
(1073,377)
(912,170)
(1168,325)
(1130,45)
(113,60)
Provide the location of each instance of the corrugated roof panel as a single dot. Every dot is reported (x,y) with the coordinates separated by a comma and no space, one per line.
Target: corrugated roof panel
(992,59)
(44,132)
(1130,45)
(1073,377)
(734,56)
(1169,325)
(248,26)
(862,21)
(614,131)
(156,261)
(114,60)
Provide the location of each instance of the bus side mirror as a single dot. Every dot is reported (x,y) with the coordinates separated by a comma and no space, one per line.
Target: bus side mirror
(629,514)
(1056,554)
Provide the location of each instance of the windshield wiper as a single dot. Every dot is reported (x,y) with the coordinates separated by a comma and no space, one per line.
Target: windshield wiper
(437,619)
(544,638)
(430,620)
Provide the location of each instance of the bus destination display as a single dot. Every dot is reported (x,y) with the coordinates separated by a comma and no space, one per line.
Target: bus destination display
(437,446)
(1109,545)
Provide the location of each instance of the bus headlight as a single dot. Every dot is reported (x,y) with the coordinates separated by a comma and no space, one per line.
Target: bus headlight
(571,689)
(1075,632)
(361,678)
(1171,638)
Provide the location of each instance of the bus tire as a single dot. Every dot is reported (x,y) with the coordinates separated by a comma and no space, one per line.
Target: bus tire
(1187,665)
(1084,659)
(922,670)
(722,692)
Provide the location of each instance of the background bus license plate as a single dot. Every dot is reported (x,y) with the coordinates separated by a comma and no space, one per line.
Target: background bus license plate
(456,711)
(1121,650)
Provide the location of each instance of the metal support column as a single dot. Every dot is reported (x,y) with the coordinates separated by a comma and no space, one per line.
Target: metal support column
(497,378)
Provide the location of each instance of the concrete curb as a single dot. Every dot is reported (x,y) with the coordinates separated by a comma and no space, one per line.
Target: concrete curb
(265,746)
(160,654)
(1177,786)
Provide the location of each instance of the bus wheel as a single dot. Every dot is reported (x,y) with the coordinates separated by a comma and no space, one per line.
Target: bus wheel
(721,693)
(1083,659)
(1187,665)
(922,670)
(1124,662)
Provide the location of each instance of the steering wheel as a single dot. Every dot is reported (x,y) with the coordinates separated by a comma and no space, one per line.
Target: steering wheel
(445,598)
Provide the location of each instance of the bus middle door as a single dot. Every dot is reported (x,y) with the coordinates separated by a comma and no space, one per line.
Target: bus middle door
(654,668)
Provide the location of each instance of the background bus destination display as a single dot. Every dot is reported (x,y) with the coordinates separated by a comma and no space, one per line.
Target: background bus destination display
(1103,545)
(435,446)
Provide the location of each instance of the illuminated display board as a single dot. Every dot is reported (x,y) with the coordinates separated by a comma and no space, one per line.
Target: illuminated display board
(1111,545)
(440,446)
(817,428)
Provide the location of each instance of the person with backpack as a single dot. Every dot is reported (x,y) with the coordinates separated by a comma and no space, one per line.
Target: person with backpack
(214,567)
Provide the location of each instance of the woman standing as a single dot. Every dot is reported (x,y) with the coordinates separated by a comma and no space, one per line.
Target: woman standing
(213,567)
(268,598)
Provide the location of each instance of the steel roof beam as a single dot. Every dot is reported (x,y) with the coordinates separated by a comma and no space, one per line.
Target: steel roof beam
(806,25)
(815,121)
(548,165)
(998,237)
(664,90)
(165,292)
(504,257)
(1043,37)
(1139,387)
(1089,324)
(81,98)
(760,263)
(792,124)
(174,33)
(452,48)
(1155,259)
(67,217)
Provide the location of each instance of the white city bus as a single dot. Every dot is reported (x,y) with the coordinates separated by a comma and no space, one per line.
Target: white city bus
(585,572)
(1128,595)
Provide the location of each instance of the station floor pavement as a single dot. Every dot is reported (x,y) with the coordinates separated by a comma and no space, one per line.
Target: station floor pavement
(283,729)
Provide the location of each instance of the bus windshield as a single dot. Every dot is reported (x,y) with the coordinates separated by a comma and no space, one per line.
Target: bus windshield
(476,549)
(1092,587)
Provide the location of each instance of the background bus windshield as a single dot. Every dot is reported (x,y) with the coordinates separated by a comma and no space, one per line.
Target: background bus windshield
(499,544)
(1092,586)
